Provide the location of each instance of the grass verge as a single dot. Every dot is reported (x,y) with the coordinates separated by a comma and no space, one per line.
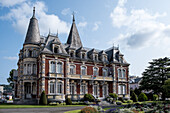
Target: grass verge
(10,106)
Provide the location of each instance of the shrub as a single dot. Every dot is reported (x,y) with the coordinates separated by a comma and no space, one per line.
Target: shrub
(43,99)
(68,101)
(113,95)
(129,101)
(88,97)
(142,97)
(155,97)
(134,97)
(121,99)
(88,110)
(119,103)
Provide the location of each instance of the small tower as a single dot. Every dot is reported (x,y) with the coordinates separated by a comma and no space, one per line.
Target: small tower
(28,61)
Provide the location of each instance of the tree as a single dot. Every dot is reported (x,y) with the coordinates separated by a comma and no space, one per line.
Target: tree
(155,75)
(134,97)
(166,88)
(43,99)
(10,78)
(142,97)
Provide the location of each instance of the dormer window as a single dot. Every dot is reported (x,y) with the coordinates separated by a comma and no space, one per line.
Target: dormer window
(72,54)
(96,57)
(105,58)
(83,56)
(55,49)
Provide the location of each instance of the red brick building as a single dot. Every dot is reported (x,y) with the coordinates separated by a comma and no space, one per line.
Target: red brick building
(68,69)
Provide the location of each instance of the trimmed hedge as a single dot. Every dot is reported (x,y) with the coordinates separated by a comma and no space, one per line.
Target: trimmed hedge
(113,95)
(89,97)
(68,101)
(43,99)
(155,97)
(142,97)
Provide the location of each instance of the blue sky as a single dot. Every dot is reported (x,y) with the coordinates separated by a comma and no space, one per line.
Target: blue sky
(141,28)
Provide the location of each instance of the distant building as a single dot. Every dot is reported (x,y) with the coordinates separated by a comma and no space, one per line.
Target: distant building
(68,69)
(135,82)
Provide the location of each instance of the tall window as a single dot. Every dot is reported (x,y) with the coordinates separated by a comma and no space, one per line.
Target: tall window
(34,69)
(72,69)
(124,73)
(83,88)
(119,73)
(83,56)
(72,54)
(52,87)
(29,69)
(83,70)
(30,53)
(95,90)
(59,67)
(53,67)
(25,69)
(95,71)
(105,90)
(59,87)
(95,57)
(122,89)
(72,88)
(105,72)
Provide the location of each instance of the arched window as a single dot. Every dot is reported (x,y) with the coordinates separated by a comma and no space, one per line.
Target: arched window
(52,87)
(59,87)
(72,69)
(53,67)
(95,90)
(34,69)
(83,88)
(119,73)
(59,67)
(95,71)
(105,72)
(83,70)
(55,49)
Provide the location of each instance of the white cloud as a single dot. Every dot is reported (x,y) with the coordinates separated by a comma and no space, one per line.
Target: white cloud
(9,3)
(11,58)
(96,26)
(82,24)
(21,14)
(142,27)
(66,11)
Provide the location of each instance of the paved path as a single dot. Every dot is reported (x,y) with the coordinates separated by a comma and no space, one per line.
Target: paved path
(41,110)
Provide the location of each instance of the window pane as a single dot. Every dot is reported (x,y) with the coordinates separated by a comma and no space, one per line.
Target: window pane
(59,67)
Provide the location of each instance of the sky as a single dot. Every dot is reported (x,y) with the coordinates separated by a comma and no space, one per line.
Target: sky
(141,28)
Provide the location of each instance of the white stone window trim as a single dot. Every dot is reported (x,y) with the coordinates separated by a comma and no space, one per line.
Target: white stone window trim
(62,87)
(62,66)
(85,69)
(121,72)
(75,88)
(107,72)
(122,89)
(96,84)
(74,70)
(97,70)
(105,85)
(83,84)
(49,81)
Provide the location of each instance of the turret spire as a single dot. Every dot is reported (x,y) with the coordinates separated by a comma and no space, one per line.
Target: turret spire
(33,12)
(33,34)
(73,17)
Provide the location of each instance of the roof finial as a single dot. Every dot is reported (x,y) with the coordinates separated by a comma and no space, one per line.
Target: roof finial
(57,33)
(49,32)
(73,17)
(33,12)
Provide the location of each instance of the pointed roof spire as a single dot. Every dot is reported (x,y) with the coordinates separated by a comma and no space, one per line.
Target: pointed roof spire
(33,34)
(73,17)
(33,16)
(74,38)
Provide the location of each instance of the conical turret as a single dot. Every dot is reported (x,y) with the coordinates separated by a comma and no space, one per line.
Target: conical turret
(74,38)
(33,34)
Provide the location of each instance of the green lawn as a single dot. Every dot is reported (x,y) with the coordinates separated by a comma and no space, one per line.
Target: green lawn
(7,106)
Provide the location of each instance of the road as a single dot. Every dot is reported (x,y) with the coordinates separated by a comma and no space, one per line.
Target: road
(41,110)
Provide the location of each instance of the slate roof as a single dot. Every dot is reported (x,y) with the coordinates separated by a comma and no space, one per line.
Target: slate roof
(33,34)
